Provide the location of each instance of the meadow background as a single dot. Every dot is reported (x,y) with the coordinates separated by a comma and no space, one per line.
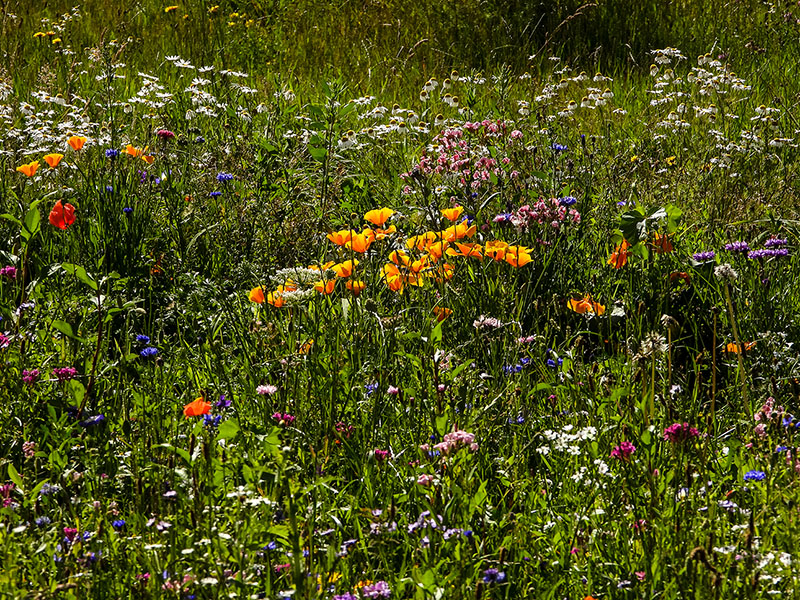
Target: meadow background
(354,300)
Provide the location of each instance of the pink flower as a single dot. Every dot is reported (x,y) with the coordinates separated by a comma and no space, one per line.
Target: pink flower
(623,451)
(425,480)
(680,432)
(393,391)
(266,390)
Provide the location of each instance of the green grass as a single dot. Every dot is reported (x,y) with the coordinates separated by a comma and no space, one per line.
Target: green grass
(317,469)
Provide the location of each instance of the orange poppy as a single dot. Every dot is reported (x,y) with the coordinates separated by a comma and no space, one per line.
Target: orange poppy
(340,238)
(468,250)
(76,142)
(517,256)
(356,287)
(379,216)
(586,305)
(30,169)
(325,287)
(399,257)
(437,249)
(619,257)
(735,349)
(306,347)
(444,273)
(275,299)
(663,244)
(53,159)
(148,159)
(360,242)
(442,313)
(384,233)
(256,295)
(134,152)
(345,269)
(197,407)
(422,241)
(451,214)
(62,215)
(495,249)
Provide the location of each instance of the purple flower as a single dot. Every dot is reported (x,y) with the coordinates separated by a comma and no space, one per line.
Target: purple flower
(704,256)
(775,242)
(767,253)
(92,421)
(379,589)
(493,576)
(9,271)
(346,596)
(737,247)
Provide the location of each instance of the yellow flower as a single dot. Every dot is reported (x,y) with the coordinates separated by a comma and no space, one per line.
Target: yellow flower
(169,9)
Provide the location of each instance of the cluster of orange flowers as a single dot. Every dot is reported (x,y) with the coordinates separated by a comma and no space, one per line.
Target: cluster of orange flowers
(76,142)
(426,256)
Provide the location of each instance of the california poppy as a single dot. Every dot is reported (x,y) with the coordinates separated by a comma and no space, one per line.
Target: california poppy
(62,215)
(275,299)
(735,349)
(676,276)
(422,241)
(662,244)
(517,256)
(325,287)
(356,287)
(468,250)
(495,249)
(345,269)
(53,159)
(451,214)
(586,305)
(442,313)
(619,257)
(256,295)
(384,233)
(360,242)
(76,142)
(30,169)
(197,407)
(379,216)
(340,238)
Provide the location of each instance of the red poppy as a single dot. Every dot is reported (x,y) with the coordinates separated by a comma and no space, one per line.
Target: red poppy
(197,407)
(62,215)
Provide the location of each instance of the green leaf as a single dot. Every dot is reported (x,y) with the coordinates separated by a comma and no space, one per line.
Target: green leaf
(67,330)
(32,220)
(179,451)
(80,273)
(633,225)
(318,154)
(13,475)
(228,429)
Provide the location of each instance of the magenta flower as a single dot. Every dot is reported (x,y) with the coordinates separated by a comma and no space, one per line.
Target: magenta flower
(64,373)
(382,455)
(284,420)
(680,432)
(623,451)
(9,271)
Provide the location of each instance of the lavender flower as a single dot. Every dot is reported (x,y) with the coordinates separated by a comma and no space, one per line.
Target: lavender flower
(767,253)
(704,256)
(740,247)
(775,243)
(379,589)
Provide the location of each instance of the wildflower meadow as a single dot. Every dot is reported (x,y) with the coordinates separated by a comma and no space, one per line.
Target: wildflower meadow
(359,300)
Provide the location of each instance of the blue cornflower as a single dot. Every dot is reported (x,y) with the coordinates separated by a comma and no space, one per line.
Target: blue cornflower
(118,524)
(222,402)
(551,363)
(92,421)
(215,194)
(755,476)
(370,388)
(271,546)
(148,352)
(49,489)
(127,210)
(212,422)
(567,200)
(199,139)
(559,147)
(781,449)
(110,189)
(224,177)
(142,339)
(42,521)
(493,576)
(112,153)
